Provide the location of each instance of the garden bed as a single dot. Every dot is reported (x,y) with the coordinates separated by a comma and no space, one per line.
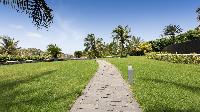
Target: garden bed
(11,59)
(176,58)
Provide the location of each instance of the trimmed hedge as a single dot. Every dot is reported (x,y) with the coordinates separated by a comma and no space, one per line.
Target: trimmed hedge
(4,58)
(188,47)
(176,58)
(159,44)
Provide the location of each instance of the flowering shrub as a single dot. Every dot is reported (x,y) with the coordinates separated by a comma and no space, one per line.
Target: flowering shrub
(176,58)
(140,49)
(4,58)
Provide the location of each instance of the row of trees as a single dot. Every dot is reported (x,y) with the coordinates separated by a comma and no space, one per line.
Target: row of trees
(173,35)
(123,43)
(8,46)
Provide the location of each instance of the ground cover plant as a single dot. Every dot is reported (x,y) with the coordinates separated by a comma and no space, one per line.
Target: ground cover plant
(162,86)
(42,87)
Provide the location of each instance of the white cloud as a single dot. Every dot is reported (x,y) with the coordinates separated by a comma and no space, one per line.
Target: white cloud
(33,34)
(18,27)
(68,36)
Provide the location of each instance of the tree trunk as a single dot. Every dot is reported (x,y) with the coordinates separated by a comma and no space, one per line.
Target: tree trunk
(122,50)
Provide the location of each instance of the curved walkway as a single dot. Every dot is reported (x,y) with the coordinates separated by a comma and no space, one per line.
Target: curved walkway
(106,92)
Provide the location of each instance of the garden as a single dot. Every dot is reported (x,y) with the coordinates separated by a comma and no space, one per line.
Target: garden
(166,69)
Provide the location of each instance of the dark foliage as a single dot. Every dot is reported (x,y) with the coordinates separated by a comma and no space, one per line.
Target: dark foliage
(198,12)
(160,44)
(78,54)
(188,47)
(171,30)
(38,10)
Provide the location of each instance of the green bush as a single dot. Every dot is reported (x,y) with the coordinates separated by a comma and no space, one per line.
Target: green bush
(176,58)
(189,35)
(140,49)
(159,44)
(78,54)
(4,58)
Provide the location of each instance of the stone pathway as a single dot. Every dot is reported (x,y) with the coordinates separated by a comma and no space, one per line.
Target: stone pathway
(106,92)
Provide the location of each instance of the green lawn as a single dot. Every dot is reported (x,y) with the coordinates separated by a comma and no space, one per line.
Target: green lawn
(163,86)
(43,87)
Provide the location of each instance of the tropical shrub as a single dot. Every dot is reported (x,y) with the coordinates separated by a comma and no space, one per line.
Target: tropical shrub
(4,58)
(112,49)
(8,45)
(159,44)
(176,58)
(140,49)
(53,50)
(94,47)
(29,52)
(78,54)
(189,35)
(121,35)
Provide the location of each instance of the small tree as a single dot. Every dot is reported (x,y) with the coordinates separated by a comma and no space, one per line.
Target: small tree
(100,47)
(54,50)
(140,49)
(78,54)
(93,46)
(172,30)
(8,45)
(113,48)
(121,35)
(134,41)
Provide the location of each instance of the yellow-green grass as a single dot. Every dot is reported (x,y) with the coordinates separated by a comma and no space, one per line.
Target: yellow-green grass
(163,86)
(42,87)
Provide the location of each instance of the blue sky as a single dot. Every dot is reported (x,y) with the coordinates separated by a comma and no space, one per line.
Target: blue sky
(74,19)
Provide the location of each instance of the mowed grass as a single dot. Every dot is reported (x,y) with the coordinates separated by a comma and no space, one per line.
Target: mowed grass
(42,87)
(163,86)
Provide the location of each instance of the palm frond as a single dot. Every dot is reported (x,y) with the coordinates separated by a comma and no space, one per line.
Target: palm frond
(198,16)
(38,10)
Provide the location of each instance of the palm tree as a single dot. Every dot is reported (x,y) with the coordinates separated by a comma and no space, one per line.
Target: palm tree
(134,42)
(113,48)
(101,48)
(172,30)
(54,50)
(121,35)
(90,45)
(94,46)
(198,16)
(8,45)
(38,10)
